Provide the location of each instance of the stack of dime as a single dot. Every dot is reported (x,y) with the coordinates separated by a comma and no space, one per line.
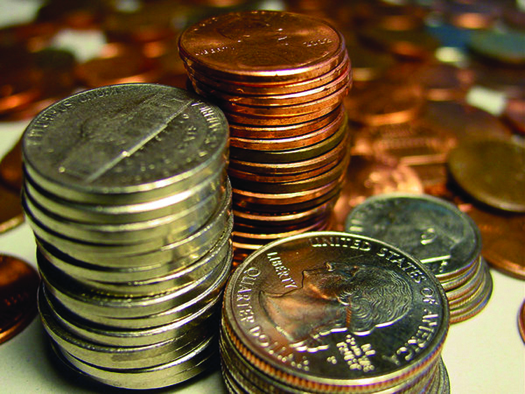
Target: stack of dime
(439,235)
(126,191)
(331,312)
(280,79)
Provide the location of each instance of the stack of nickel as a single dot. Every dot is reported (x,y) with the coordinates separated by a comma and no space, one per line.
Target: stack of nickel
(326,312)
(126,191)
(280,78)
(439,235)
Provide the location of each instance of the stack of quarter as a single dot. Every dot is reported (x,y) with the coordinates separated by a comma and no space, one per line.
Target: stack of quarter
(281,79)
(127,195)
(439,235)
(328,311)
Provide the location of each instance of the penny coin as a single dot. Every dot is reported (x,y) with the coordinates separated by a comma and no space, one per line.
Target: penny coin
(514,114)
(11,212)
(472,15)
(372,175)
(492,171)
(384,103)
(19,282)
(271,88)
(368,65)
(442,81)
(294,294)
(262,46)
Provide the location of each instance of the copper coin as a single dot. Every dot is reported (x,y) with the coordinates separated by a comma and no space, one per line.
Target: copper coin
(492,171)
(390,16)
(262,46)
(385,102)
(411,44)
(290,100)
(334,133)
(371,175)
(472,15)
(118,63)
(503,236)
(11,173)
(18,289)
(442,81)
(293,186)
(281,144)
(514,114)
(282,110)
(521,321)
(334,154)
(506,79)
(279,178)
(11,213)
(284,131)
(271,87)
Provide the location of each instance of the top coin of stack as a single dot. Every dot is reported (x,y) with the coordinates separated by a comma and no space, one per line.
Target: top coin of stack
(126,191)
(280,78)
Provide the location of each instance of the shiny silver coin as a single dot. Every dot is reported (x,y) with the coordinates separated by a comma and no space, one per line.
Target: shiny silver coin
(129,274)
(172,281)
(332,310)
(146,255)
(121,357)
(200,321)
(123,144)
(89,302)
(179,370)
(163,230)
(115,214)
(431,229)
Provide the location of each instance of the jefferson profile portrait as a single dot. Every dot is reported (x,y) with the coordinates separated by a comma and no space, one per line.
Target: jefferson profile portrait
(339,296)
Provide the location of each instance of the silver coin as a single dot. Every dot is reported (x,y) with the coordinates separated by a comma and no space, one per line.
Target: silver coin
(179,370)
(120,357)
(114,214)
(331,309)
(164,229)
(172,281)
(89,302)
(431,229)
(124,143)
(124,274)
(145,254)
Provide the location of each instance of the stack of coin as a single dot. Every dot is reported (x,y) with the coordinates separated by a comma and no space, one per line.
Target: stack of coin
(439,235)
(331,312)
(280,78)
(126,191)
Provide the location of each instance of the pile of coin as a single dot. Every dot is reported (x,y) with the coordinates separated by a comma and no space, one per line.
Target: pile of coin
(280,78)
(439,235)
(127,194)
(331,312)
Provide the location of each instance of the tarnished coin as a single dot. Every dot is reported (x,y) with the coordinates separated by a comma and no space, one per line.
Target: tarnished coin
(18,296)
(492,171)
(262,46)
(124,143)
(11,168)
(328,311)
(433,230)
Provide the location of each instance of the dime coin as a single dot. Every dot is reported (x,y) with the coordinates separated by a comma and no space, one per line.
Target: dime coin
(492,171)
(433,230)
(18,288)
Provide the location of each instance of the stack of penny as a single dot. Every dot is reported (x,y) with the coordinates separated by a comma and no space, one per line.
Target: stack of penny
(332,312)
(126,192)
(439,235)
(280,78)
